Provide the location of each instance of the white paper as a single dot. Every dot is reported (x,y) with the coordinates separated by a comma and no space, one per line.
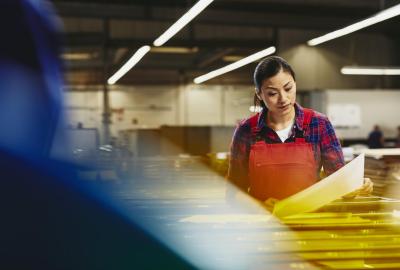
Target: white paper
(347,179)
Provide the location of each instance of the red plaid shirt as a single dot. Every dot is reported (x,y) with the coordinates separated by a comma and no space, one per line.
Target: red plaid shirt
(327,150)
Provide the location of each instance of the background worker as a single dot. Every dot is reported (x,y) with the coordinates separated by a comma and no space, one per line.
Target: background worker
(375,138)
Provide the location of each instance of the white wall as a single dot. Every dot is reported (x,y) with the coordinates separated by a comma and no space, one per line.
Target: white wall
(376,107)
(84,107)
(219,106)
(150,106)
(153,106)
(204,105)
(237,100)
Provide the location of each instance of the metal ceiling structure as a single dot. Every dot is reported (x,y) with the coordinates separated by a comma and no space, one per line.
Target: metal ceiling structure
(101,35)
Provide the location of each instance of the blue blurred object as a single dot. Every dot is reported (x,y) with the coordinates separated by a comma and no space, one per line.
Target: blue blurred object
(30,68)
(49,219)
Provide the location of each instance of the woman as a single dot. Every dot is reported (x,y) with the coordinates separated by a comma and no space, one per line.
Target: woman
(280,151)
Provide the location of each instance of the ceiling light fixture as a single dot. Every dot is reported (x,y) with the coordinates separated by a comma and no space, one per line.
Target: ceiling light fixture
(74,56)
(179,24)
(231,58)
(354,70)
(129,64)
(242,62)
(379,17)
(176,50)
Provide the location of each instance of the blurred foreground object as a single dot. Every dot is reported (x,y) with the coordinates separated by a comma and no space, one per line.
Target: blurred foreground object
(30,71)
(49,219)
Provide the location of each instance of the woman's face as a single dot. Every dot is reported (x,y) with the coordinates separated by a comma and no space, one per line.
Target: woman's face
(279,93)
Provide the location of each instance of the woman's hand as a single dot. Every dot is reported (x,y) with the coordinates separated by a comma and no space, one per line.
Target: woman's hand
(365,190)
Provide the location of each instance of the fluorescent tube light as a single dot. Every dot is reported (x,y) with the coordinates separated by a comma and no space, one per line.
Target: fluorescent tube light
(242,62)
(77,56)
(129,64)
(379,17)
(177,50)
(231,58)
(179,24)
(370,70)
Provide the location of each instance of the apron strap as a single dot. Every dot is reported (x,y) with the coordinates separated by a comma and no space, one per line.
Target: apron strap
(299,136)
(255,131)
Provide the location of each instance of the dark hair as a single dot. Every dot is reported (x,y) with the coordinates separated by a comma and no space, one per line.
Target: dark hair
(267,68)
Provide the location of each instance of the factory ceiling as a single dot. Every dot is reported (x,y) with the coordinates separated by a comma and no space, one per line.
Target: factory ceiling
(100,35)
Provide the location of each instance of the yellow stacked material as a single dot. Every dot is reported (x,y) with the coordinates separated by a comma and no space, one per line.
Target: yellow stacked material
(187,204)
(347,240)
(382,166)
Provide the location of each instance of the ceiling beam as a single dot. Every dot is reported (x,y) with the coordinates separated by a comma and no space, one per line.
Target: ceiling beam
(94,39)
(211,57)
(244,15)
(139,10)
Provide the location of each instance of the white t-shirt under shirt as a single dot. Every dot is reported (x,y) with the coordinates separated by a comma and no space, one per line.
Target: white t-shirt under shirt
(284,133)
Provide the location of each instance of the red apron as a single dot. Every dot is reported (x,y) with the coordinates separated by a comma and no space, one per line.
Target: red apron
(282,169)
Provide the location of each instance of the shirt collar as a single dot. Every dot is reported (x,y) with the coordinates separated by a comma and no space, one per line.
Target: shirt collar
(299,112)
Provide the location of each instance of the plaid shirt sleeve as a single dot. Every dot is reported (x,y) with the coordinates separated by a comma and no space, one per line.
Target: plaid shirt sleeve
(239,156)
(331,152)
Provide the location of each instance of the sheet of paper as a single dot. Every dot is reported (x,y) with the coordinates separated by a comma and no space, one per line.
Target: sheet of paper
(347,179)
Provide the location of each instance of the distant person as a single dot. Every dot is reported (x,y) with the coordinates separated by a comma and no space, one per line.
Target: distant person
(375,138)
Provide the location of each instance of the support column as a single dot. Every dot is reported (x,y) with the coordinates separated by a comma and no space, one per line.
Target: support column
(106,114)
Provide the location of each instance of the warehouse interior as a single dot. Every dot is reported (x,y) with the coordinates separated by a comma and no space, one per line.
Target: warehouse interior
(134,175)
(160,91)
